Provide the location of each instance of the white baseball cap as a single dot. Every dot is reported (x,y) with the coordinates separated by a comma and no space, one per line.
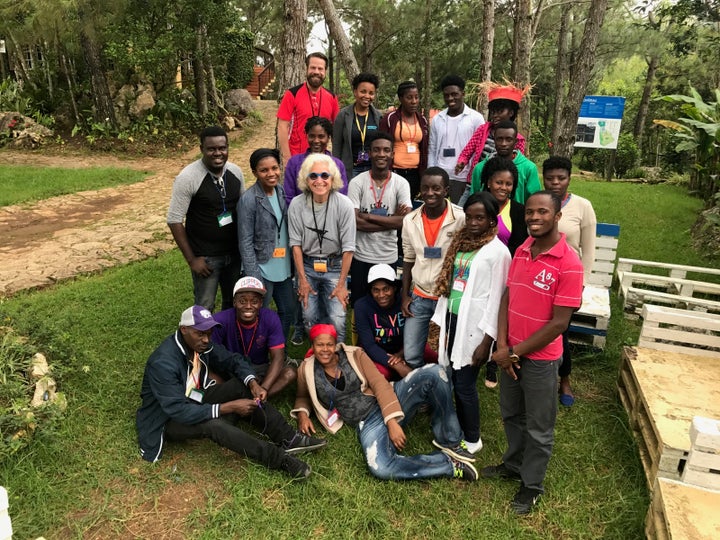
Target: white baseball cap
(249,284)
(382,271)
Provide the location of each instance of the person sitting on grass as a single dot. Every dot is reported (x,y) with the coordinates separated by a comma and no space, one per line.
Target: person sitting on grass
(256,333)
(181,399)
(341,384)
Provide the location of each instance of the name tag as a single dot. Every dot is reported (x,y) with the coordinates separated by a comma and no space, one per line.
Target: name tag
(225,219)
(320,265)
(448,152)
(279,253)
(459,285)
(333,416)
(379,211)
(432,252)
(196,395)
(363,156)
(411,148)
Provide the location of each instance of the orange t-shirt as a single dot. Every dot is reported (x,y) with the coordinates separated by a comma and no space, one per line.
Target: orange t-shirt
(407,135)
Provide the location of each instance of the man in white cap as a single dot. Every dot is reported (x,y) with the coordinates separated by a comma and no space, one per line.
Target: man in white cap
(256,333)
(182,400)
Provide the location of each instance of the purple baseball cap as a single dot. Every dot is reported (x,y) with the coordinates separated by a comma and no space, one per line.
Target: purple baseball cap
(199,318)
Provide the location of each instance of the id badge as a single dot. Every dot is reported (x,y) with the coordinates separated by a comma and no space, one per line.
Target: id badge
(432,252)
(333,416)
(363,156)
(320,265)
(196,395)
(379,211)
(459,285)
(448,152)
(279,253)
(225,219)
(411,148)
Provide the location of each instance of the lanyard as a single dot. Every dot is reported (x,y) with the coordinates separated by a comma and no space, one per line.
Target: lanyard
(246,351)
(282,216)
(378,202)
(320,236)
(334,388)
(319,100)
(414,131)
(362,131)
(219,182)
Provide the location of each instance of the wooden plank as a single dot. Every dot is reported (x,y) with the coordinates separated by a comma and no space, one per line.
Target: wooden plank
(626,264)
(705,478)
(688,512)
(607,243)
(690,286)
(683,317)
(635,297)
(667,347)
(680,336)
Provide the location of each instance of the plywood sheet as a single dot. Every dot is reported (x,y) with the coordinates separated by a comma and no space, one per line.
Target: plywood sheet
(690,513)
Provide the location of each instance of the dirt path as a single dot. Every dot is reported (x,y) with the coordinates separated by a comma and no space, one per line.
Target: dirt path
(58,238)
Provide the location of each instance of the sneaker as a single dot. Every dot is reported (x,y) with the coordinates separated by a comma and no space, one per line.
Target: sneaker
(464,471)
(499,471)
(295,467)
(491,378)
(459,452)
(298,337)
(524,500)
(302,443)
(474,447)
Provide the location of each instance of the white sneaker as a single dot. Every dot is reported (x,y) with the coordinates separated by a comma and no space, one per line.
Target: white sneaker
(474,447)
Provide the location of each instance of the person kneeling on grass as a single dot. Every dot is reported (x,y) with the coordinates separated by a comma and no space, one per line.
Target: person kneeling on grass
(181,399)
(255,332)
(341,384)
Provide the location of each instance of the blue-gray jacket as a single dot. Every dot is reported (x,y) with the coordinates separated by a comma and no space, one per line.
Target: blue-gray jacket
(258,228)
(163,390)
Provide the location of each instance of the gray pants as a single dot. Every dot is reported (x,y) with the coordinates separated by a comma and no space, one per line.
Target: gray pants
(529,408)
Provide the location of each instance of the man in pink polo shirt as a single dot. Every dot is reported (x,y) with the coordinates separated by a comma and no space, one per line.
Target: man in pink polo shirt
(544,288)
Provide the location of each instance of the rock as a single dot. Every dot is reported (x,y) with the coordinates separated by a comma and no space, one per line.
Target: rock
(44,392)
(38,367)
(228,123)
(143,103)
(239,102)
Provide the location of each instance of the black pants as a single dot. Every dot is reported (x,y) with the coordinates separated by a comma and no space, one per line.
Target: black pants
(224,432)
(566,365)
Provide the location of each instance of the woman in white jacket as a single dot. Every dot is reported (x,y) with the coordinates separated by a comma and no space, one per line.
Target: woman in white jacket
(470,286)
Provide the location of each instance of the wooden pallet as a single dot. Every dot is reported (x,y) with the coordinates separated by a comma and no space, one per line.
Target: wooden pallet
(679,330)
(589,324)
(682,512)
(661,392)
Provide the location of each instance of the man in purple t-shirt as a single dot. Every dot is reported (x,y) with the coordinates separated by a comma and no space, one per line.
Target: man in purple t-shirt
(256,333)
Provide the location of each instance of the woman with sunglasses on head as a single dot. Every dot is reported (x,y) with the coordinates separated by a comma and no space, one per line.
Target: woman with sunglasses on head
(322,239)
(410,131)
(319,131)
(469,288)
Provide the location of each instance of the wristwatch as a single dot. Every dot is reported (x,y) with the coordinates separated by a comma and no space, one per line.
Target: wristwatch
(514,357)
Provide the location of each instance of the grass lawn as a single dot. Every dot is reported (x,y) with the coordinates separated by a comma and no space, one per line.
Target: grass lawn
(23,184)
(87,479)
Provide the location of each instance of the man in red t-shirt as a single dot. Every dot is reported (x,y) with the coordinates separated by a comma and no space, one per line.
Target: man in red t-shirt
(302,102)
(544,288)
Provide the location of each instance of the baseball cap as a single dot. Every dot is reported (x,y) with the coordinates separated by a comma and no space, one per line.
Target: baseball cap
(249,284)
(199,318)
(382,271)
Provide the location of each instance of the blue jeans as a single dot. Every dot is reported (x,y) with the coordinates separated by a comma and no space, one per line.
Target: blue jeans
(321,308)
(430,385)
(285,301)
(529,407)
(416,329)
(226,270)
(464,197)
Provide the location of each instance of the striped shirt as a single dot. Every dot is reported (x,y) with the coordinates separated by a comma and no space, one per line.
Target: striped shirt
(554,278)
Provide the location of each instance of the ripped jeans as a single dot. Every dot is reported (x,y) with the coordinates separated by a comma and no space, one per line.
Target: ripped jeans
(428,384)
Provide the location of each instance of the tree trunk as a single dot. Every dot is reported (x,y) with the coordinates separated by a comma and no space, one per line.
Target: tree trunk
(199,73)
(582,71)
(20,61)
(487,49)
(292,53)
(639,129)
(342,43)
(210,70)
(562,67)
(104,107)
(71,89)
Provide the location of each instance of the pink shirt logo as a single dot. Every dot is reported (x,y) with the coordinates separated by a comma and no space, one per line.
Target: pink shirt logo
(543,280)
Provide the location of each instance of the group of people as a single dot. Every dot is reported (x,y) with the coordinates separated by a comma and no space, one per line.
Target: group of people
(500,273)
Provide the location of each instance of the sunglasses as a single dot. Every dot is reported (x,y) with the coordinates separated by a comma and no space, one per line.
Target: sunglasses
(314,176)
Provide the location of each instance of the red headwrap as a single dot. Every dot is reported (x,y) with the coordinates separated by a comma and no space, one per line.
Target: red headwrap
(320,329)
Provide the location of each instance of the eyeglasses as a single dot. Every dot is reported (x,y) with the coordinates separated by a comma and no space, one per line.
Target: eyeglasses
(314,176)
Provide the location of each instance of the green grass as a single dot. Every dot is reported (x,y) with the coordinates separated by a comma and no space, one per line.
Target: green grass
(24,184)
(87,479)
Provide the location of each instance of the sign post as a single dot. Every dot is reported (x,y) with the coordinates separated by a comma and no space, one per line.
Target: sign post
(599,122)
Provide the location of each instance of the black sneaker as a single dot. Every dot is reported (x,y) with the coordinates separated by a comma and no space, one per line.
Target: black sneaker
(464,471)
(459,452)
(295,467)
(499,471)
(298,336)
(525,499)
(302,443)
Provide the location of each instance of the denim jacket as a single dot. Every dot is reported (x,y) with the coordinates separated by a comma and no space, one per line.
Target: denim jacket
(258,227)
